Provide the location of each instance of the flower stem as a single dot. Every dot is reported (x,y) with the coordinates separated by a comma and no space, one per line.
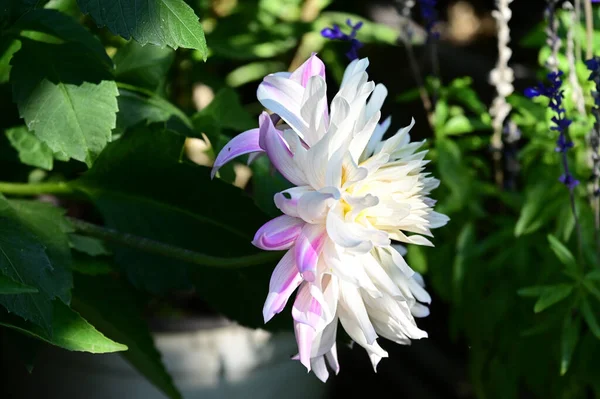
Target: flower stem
(159,248)
(32,189)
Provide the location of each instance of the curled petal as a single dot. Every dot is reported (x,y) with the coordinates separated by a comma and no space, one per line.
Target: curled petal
(313,206)
(278,234)
(287,200)
(284,280)
(352,235)
(278,151)
(305,335)
(244,143)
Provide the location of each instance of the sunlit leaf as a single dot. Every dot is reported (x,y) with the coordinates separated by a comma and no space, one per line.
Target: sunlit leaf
(69,331)
(161,22)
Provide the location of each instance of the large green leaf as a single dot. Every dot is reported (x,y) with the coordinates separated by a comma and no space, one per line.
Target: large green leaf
(140,187)
(31,150)
(33,252)
(70,331)
(160,22)
(118,316)
(144,66)
(50,80)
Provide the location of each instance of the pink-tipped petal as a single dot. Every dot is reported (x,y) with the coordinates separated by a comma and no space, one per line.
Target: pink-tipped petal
(308,248)
(311,67)
(305,335)
(243,143)
(278,152)
(283,97)
(284,280)
(278,234)
(307,309)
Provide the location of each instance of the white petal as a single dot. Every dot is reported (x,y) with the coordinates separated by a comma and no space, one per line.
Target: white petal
(319,368)
(353,305)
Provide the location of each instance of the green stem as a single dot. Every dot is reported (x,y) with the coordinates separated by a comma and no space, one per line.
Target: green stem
(136,89)
(27,189)
(170,251)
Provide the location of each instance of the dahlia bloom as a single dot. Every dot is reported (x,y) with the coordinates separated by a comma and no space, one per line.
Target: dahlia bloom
(356,197)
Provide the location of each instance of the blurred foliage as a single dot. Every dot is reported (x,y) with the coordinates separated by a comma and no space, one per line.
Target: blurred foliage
(100,110)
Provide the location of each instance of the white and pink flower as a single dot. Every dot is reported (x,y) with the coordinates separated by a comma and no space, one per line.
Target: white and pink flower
(356,197)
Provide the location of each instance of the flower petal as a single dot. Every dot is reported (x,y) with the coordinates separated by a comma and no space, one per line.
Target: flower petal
(287,200)
(278,152)
(352,303)
(311,67)
(308,248)
(278,234)
(283,96)
(313,206)
(244,143)
(305,335)
(284,280)
(319,368)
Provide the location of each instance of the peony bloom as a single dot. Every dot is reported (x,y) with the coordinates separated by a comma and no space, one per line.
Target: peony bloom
(356,197)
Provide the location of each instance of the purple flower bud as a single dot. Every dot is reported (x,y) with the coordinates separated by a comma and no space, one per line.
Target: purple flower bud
(336,33)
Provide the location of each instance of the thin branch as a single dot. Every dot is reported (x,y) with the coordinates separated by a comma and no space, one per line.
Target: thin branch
(170,251)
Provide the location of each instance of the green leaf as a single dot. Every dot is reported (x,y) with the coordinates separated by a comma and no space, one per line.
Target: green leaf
(160,22)
(440,115)
(8,286)
(590,317)
(140,187)
(135,108)
(417,259)
(88,245)
(31,150)
(562,253)
(569,338)
(461,124)
(119,316)
(33,253)
(8,47)
(225,111)
(535,213)
(65,28)
(253,71)
(50,80)
(143,66)
(552,296)
(70,331)
(91,265)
